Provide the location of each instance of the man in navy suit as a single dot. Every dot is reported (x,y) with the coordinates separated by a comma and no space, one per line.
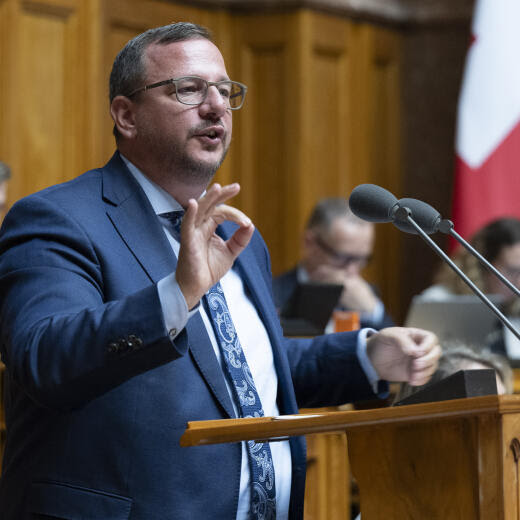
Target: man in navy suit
(337,245)
(108,344)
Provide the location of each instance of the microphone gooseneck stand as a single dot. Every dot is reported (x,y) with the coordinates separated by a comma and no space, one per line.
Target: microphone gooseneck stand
(403,214)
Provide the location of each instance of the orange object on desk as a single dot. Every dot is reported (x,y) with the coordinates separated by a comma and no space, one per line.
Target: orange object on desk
(345,321)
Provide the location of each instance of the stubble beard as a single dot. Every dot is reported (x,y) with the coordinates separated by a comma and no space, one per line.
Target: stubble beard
(174,160)
(196,172)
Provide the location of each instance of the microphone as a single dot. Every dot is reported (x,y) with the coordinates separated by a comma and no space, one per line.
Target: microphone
(373,203)
(425,215)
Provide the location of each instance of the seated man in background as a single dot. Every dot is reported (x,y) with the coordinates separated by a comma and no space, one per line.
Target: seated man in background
(336,247)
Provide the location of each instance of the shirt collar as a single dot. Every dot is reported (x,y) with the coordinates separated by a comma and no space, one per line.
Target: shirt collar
(160,199)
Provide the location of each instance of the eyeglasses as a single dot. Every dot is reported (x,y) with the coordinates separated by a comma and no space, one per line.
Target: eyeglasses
(342,259)
(192,90)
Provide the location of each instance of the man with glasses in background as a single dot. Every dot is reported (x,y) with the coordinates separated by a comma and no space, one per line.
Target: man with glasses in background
(134,300)
(337,245)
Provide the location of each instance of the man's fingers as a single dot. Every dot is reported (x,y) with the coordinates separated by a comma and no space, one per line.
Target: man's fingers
(216,195)
(238,242)
(224,212)
(421,341)
(423,367)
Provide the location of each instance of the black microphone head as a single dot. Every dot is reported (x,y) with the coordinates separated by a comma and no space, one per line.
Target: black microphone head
(425,216)
(373,203)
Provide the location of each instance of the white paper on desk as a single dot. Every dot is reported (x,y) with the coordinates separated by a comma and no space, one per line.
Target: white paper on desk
(288,417)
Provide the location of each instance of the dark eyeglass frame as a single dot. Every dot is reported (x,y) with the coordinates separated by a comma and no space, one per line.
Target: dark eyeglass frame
(174,81)
(341,259)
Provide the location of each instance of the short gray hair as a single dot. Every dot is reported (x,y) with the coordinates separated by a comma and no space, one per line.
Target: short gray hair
(128,71)
(329,209)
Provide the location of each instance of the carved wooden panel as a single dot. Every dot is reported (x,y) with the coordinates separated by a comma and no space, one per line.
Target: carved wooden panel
(329,97)
(327,487)
(376,142)
(44,85)
(264,64)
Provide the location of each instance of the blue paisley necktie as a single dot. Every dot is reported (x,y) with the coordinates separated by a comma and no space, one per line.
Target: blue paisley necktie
(263,492)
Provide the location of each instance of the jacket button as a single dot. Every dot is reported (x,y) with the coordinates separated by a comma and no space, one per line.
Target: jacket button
(113,348)
(134,342)
(123,345)
(172,333)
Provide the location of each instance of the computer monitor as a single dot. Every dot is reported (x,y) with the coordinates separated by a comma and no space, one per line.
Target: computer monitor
(309,309)
(459,317)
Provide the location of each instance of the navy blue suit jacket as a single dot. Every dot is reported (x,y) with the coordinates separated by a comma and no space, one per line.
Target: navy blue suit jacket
(97,395)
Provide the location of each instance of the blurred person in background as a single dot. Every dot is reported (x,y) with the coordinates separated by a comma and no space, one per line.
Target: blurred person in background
(499,243)
(337,246)
(5,175)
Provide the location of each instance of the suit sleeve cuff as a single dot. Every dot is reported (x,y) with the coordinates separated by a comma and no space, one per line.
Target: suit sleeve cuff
(173,304)
(379,387)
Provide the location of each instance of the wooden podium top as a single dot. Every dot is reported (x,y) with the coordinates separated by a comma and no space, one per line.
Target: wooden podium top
(278,428)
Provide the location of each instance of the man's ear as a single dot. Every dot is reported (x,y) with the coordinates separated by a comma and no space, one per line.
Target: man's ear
(123,114)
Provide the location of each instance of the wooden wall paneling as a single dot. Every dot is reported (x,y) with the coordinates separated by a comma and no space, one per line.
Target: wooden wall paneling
(295,141)
(220,22)
(508,462)
(6,45)
(97,92)
(45,88)
(269,124)
(377,144)
(493,463)
(298,135)
(327,491)
(328,83)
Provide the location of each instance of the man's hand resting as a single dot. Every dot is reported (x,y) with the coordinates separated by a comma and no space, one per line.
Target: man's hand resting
(404,354)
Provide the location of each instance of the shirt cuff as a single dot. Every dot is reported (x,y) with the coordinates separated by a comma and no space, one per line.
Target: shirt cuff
(173,304)
(378,386)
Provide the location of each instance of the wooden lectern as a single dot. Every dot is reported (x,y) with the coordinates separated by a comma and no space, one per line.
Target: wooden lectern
(445,460)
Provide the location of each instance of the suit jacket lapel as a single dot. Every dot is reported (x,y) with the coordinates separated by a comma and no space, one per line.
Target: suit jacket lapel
(134,219)
(203,354)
